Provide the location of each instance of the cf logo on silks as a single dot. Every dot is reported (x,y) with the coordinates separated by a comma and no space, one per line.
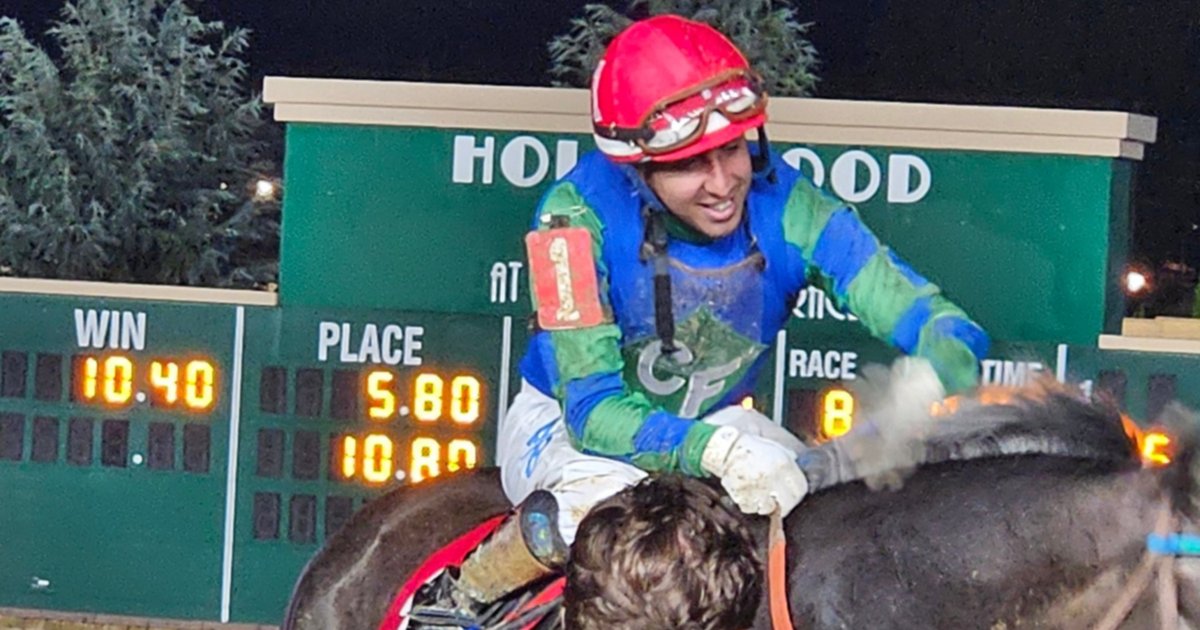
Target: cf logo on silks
(564,278)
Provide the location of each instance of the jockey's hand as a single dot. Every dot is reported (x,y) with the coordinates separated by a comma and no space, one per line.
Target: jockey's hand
(757,473)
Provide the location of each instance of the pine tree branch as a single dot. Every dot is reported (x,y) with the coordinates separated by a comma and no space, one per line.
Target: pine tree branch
(123,157)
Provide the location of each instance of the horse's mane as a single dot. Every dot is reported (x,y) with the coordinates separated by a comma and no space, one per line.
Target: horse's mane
(1043,418)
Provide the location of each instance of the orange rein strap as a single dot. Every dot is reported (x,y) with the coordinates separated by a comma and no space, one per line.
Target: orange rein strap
(781,618)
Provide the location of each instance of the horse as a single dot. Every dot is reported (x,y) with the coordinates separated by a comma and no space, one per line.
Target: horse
(1033,513)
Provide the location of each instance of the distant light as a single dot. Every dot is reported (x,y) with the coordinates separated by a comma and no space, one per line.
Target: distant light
(224,186)
(1135,282)
(264,190)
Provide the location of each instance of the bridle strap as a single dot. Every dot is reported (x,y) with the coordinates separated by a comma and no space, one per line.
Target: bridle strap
(1152,563)
(1168,594)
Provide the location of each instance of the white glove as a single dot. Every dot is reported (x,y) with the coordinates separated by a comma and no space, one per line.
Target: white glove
(754,423)
(757,473)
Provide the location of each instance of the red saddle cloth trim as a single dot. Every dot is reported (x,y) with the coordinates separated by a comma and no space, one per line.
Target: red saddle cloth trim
(450,555)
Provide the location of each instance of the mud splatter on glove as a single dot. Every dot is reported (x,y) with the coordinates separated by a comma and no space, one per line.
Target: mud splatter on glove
(757,473)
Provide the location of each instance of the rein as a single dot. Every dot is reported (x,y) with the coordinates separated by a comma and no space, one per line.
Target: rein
(1159,560)
(781,618)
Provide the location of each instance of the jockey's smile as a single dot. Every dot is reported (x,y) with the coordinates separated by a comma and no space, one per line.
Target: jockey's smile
(708,191)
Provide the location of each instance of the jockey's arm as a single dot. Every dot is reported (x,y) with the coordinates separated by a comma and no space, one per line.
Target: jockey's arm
(830,245)
(603,415)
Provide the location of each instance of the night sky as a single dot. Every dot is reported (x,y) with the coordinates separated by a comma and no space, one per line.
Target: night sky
(1140,56)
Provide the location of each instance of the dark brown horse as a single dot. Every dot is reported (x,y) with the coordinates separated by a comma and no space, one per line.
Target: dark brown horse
(1030,514)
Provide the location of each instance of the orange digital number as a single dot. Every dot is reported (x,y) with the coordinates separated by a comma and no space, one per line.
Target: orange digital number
(118,380)
(349,457)
(199,377)
(461,454)
(427,403)
(383,401)
(837,417)
(165,378)
(1156,448)
(91,370)
(199,380)
(375,460)
(111,381)
(464,405)
(424,463)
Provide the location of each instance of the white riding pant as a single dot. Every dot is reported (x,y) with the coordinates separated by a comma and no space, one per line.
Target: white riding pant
(534,453)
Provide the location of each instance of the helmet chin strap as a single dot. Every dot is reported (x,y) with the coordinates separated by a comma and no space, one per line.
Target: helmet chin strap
(761,163)
(654,241)
(654,249)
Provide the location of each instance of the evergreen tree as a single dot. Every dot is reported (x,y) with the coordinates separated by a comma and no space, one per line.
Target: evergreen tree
(774,42)
(128,155)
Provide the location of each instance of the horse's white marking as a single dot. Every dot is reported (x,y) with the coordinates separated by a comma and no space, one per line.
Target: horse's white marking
(326,600)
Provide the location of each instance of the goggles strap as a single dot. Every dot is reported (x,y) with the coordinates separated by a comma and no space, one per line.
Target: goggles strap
(623,134)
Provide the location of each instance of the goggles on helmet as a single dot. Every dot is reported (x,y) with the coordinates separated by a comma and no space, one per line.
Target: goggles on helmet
(681,119)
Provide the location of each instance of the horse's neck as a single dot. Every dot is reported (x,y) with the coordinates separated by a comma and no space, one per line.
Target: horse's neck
(1165,594)
(1128,588)
(1036,533)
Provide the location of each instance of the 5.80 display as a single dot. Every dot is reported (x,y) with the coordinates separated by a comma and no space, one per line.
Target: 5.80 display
(390,424)
(434,400)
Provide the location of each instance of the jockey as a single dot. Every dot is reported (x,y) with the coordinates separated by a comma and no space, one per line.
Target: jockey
(663,265)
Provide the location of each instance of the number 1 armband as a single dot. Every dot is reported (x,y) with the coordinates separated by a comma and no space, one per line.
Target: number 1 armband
(563,274)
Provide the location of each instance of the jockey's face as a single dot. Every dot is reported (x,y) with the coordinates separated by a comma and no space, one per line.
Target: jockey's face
(708,191)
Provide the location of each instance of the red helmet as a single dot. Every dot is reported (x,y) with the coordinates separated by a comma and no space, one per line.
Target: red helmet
(669,88)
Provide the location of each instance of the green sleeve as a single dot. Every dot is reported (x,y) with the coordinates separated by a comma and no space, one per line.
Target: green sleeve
(897,305)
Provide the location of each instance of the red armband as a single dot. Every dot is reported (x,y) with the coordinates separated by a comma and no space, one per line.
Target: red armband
(563,274)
